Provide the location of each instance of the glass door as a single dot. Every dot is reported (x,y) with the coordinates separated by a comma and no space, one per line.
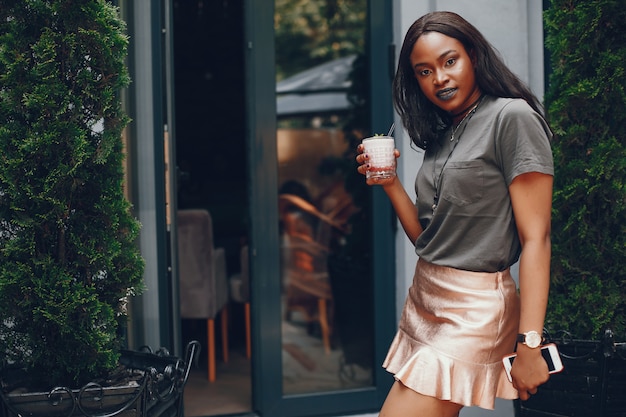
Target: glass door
(321,240)
(324,207)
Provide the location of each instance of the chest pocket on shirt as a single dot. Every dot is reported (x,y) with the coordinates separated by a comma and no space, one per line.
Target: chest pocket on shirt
(463,182)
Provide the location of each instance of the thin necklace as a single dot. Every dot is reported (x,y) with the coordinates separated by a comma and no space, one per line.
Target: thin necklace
(470,112)
(437,181)
(464,111)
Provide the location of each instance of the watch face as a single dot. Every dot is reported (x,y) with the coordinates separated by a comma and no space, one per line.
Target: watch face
(533,339)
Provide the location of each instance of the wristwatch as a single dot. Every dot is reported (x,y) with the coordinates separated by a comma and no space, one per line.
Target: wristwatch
(532,339)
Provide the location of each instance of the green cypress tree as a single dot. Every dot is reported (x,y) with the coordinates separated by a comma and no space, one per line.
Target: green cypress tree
(586,105)
(68,258)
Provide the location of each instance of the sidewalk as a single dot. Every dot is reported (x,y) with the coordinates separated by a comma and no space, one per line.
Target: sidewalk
(504,408)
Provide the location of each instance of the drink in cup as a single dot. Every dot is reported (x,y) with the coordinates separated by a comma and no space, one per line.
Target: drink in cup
(381,158)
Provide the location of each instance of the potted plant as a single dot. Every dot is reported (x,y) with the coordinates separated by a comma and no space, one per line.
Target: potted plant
(68,257)
(587,306)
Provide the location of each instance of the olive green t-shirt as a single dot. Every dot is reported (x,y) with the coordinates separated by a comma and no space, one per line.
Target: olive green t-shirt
(473,227)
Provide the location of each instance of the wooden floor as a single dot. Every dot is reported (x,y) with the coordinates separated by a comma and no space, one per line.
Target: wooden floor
(229,394)
(306,367)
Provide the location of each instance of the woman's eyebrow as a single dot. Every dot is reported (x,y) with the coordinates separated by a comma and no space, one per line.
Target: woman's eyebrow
(443,55)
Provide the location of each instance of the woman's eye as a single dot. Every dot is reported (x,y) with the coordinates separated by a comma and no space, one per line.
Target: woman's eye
(423,72)
(450,61)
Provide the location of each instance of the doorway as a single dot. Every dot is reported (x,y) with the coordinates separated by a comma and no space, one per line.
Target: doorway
(211,175)
(314,352)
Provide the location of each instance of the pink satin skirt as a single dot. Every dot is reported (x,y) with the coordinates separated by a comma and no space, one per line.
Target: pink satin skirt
(455,328)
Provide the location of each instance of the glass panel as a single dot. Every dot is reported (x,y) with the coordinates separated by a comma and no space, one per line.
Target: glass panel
(327,301)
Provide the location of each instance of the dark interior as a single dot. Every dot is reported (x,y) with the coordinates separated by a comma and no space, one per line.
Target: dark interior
(210,124)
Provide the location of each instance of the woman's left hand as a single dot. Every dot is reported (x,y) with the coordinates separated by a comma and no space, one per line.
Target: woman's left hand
(529,370)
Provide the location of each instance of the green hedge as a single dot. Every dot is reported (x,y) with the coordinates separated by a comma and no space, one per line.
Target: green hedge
(67,238)
(586,107)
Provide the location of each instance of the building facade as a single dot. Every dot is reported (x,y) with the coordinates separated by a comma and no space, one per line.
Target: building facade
(207,133)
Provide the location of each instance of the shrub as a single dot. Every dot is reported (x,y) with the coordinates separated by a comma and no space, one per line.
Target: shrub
(68,257)
(586,106)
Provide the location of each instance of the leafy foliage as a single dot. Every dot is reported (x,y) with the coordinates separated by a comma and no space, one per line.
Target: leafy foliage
(585,104)
(311,32)
(68,257)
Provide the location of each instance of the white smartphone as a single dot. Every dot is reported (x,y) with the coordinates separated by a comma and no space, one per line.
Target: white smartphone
(549,353)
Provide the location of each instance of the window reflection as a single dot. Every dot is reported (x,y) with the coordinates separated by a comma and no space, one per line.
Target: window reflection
(327,328)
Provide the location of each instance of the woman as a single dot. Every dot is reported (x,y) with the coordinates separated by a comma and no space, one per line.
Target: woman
(484,195)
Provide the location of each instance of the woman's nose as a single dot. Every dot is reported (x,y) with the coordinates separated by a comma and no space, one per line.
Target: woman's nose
(441,77)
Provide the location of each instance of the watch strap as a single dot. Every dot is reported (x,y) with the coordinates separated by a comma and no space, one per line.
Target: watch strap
(521,338)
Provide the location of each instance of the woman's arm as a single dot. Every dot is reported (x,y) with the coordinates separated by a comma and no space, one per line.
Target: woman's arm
(405,208)
(531,197)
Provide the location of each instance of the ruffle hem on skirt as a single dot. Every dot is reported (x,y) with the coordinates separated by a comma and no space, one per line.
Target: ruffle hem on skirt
(455,328)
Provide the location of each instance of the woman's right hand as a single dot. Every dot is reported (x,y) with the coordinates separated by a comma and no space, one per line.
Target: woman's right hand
(363,160)
(400,200)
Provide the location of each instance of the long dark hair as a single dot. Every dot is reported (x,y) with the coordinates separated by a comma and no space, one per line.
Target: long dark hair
(420,117)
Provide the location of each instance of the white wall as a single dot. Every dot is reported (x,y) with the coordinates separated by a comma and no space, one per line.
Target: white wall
(514,27)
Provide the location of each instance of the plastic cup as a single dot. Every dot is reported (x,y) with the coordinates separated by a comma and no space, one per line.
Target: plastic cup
(382,161)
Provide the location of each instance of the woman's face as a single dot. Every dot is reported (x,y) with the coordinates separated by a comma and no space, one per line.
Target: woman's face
(445,73)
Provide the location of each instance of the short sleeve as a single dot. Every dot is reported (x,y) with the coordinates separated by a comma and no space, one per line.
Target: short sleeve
(523,141)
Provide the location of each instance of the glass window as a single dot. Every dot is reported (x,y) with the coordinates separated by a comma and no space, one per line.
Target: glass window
(324,205)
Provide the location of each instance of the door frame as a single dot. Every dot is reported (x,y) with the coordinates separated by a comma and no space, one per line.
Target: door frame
(148,102)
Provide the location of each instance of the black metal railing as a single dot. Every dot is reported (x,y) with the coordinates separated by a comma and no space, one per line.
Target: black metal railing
(593,383)
(153,387)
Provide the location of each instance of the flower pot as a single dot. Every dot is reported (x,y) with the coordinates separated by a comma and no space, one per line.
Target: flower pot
(593,383)
(124,401)
(151,385)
